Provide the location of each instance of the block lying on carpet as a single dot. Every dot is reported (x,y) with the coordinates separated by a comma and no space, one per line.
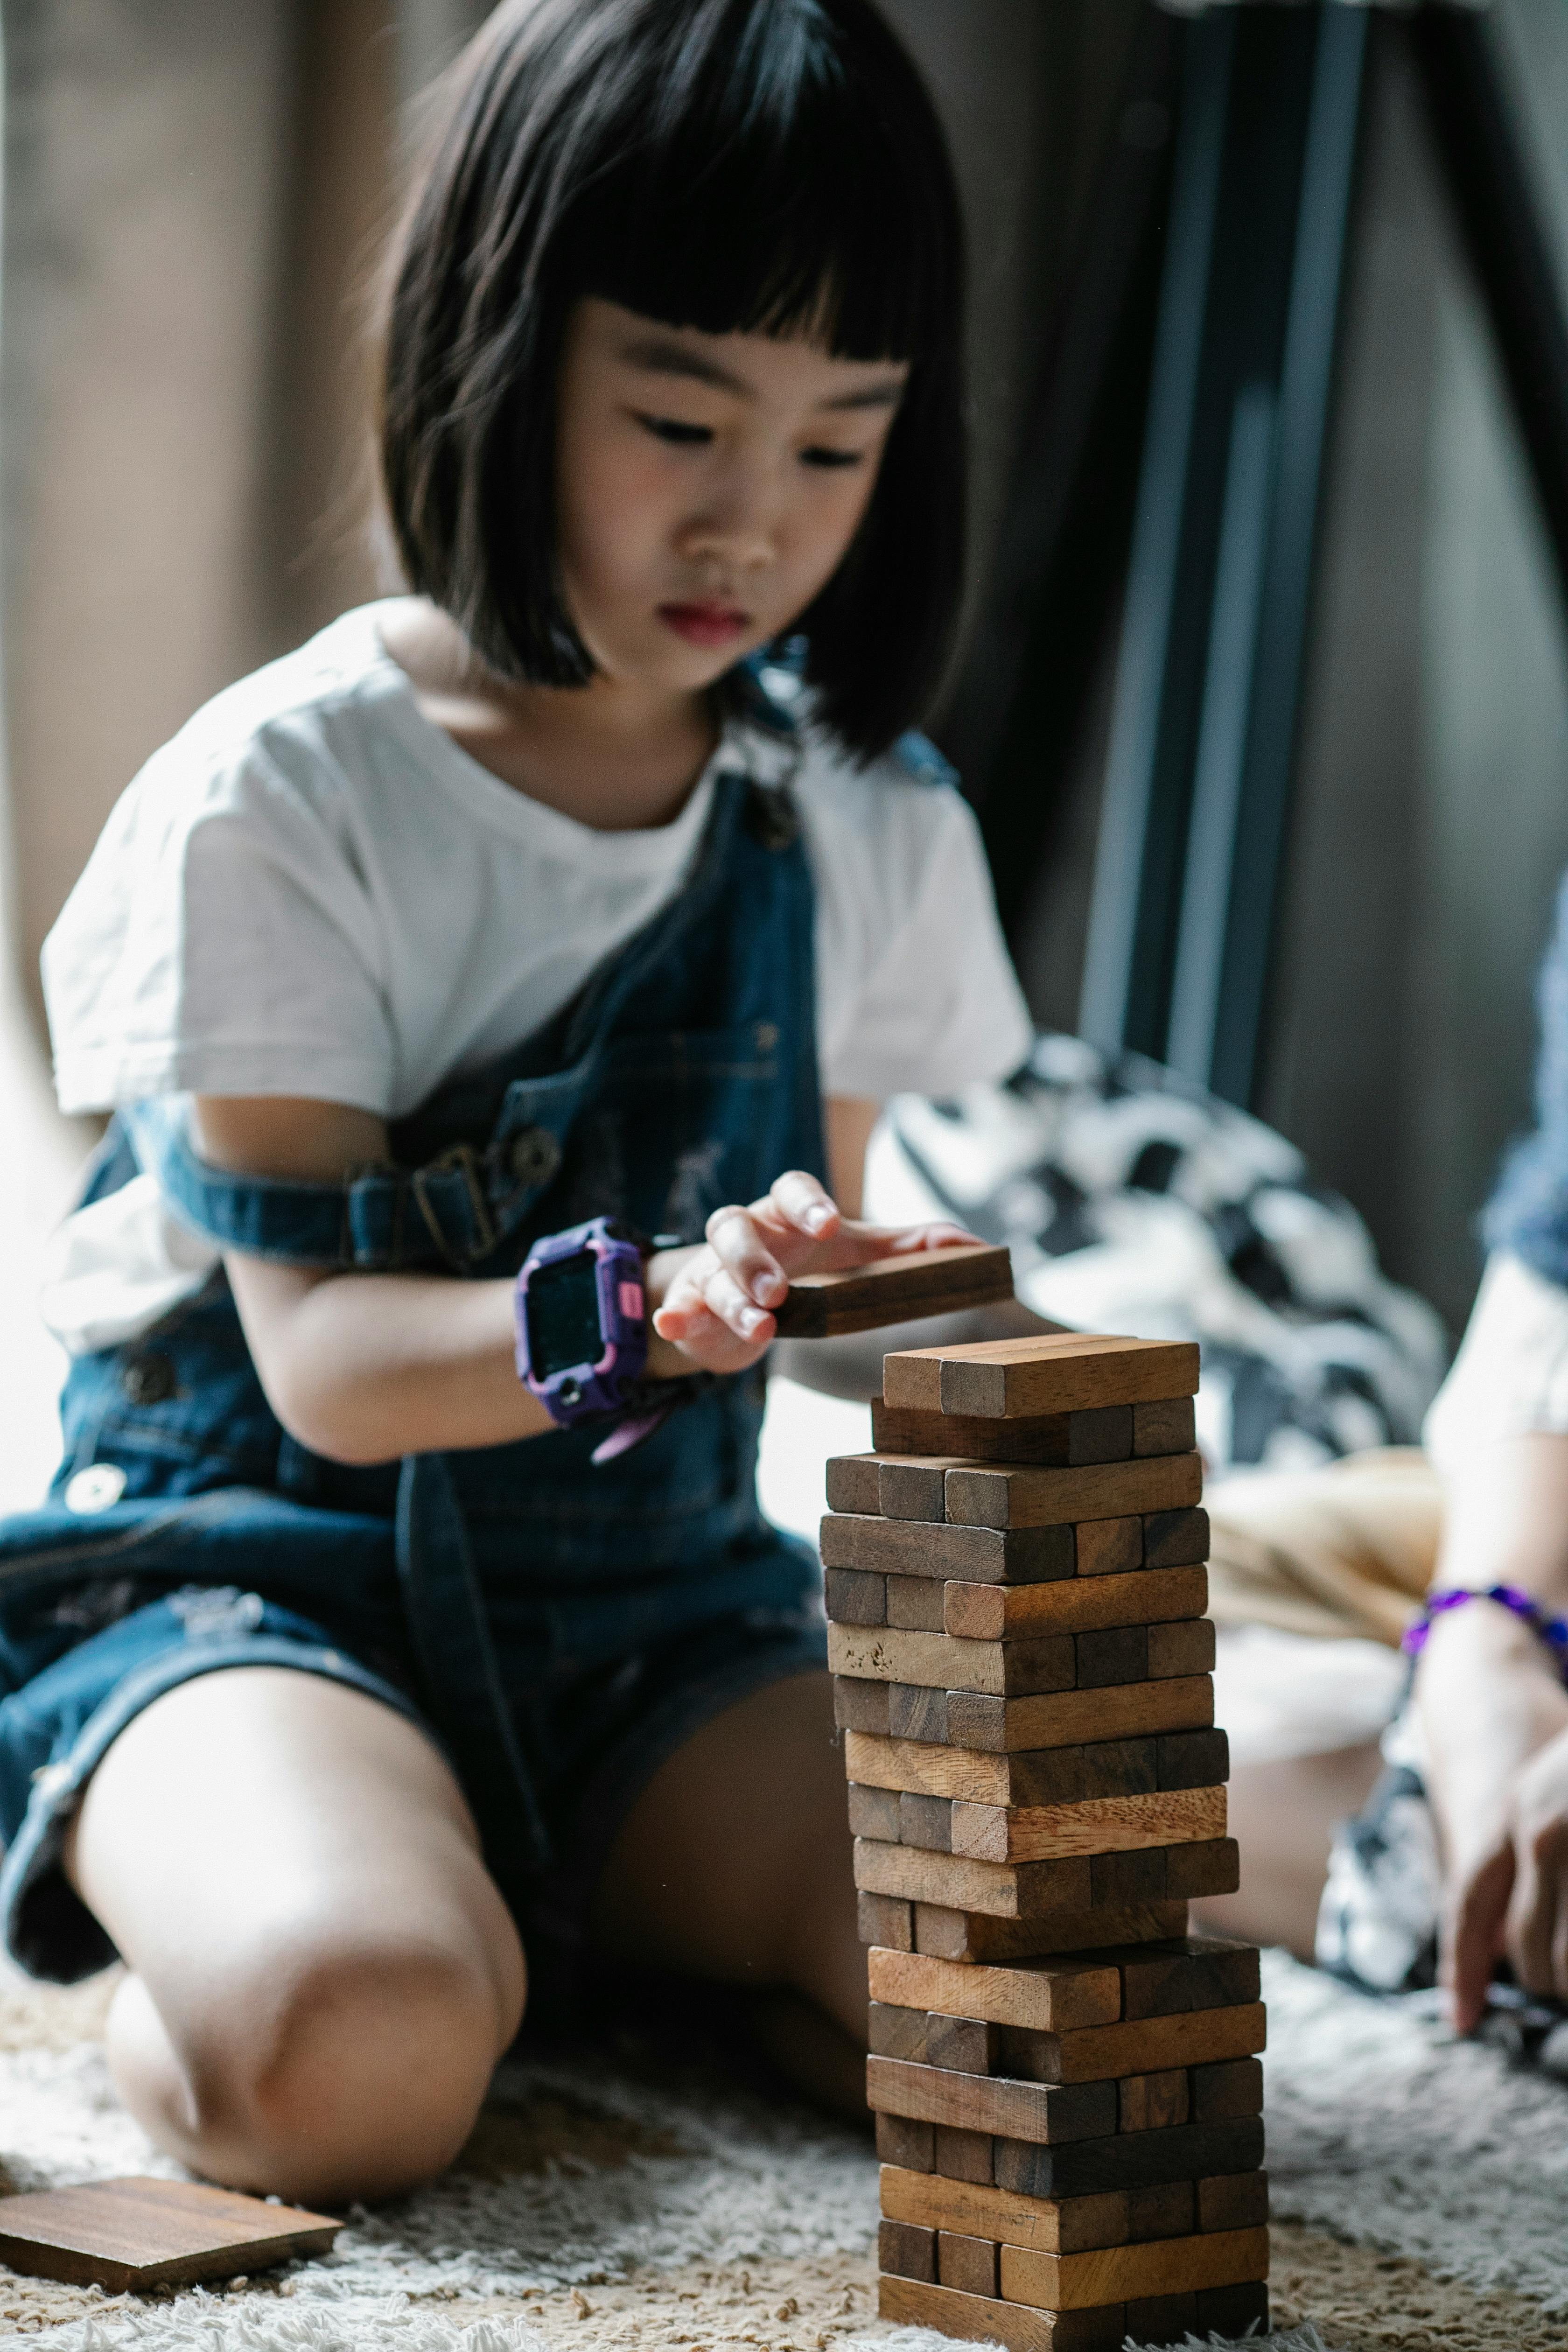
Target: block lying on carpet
(127,2235)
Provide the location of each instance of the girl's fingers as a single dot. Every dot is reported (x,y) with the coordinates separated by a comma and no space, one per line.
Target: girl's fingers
(734,1305)
(802,1202)
(739,1248)
(1532,1914)
(1474,1934)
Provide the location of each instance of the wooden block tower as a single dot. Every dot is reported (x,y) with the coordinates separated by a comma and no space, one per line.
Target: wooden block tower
(1065,2084)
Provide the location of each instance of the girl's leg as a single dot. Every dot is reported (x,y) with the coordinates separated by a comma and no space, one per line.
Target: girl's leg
(735,1863)
(321,1973)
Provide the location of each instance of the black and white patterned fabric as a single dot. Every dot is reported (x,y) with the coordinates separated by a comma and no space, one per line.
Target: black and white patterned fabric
(1133,1201)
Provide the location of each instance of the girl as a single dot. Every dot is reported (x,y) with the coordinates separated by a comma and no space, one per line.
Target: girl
(337,1671)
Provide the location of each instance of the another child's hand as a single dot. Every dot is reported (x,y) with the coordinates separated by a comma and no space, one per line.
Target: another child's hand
(717,1301)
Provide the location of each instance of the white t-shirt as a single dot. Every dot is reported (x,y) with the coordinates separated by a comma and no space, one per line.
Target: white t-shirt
(312,891)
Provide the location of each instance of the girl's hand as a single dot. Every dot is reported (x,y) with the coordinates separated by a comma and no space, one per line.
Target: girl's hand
(717,1301)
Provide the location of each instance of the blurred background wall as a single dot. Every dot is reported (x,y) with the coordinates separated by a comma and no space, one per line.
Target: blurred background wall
(194,190)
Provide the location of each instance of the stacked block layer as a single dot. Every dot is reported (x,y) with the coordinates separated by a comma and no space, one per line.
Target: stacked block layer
(1067,2086)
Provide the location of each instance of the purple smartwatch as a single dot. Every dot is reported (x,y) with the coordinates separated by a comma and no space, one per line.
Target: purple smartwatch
(580,1310)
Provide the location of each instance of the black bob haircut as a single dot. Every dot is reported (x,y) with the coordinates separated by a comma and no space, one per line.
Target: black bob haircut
(768,166)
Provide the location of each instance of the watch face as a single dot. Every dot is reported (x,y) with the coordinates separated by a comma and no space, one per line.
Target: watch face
(562,1304)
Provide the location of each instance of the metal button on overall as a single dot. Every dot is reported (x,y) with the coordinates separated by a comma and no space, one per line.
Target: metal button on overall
(535,1156)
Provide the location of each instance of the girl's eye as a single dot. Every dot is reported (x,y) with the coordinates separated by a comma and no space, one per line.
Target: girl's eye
(832,457)
(670,428)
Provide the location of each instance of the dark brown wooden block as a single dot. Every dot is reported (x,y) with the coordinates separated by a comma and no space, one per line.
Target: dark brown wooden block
(860,1706)
(1190,1972)
(1057,1441)
(971,1937)
(1194,1871)
(977,1554)
(1167,2211)
(917,1605)
(912,2303)
(130,2235)
(946,1281)
(967,2263)
(853,1483)
(963,2046)
(1119,1654)
(1153,2102)
(1176,1538)
(1187,1648)
(852,1596)
(1162,2319)
(884,1920)
(1082,1604)
(906,2250)
(1197,2038)
(1109,1546)
(1021,1890)
(915,1711)
(1232,2310)
(1237,2200)
(908,1490)
(891,1654)
(1045,2113)
(873,1812)
(1117,1880)
(925,1820)
(903,2142)
(1224,2091)
(895,2032)
(994,1494)
(1070,1371)
(1167,1426)
(1126,2159)
(1068,1718)
(960,2155)
(1192,1760)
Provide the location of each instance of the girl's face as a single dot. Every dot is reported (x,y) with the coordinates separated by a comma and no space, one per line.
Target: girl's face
(708,486)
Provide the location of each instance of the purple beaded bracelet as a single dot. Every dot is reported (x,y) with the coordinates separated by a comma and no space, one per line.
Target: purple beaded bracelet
(1552,1630)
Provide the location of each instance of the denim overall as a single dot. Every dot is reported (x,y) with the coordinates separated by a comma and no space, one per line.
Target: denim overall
(558,1629)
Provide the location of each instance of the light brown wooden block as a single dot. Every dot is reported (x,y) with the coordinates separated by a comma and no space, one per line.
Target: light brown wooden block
(911,2303)
(1154,2103)
(1039,2113)
(129,2235)
(1162,2266)
(1165,1427)
(864,1539)
(1070,1371)
(1079,1604)
(917,1605)
(1195,2038)
(884,1920)
(931,1770)
(1109,1546)
(970,1936)
(967,2263)
(1099,1825)
(887,1653)
(1046,2225)
(1059,1439)
(1066,1718)
(995,1494)
(1005,1891)
(854,1484)
(1233,2200)
(899,1290)
(1186,1648)
(1060,1997)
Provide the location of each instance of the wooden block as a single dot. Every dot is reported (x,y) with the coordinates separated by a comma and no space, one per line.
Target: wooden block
(917,1605)
(963,2045)
(970,1936)
(1054,1997)
(1234,2200)
(1162,2319)
(945,1281)
(1058,2226)
(967,2263)
(873,1812)
(1195,2038)
(1102,1825)
(1234,2310)
(995,1494)
(1225,2091)
(907,2144)
(1192,1760)
(906,2250)
(1109,1546)
(1182,1649)
(1152,2102)
(1176,1538)
(884,1920)
(860,1706)
(917,1711)
(1081,1605)
(129,2235)
(911,2303)
(852,1596)
(853,1483)
(977,1554)
(885,1654)
(924,1821)
(932,1771)
(1003,1890)
(1041,2112)
(960,2155)
(892,2032)
(1192,1972)
(908,1490)
(1070,1371)
(1167,2211)
(1192,1872)
(1127,2159)
(1068,1718)
(1121,2273)
(1058,1440)
(1167,1426)
(1136,1875)
(1118,1655)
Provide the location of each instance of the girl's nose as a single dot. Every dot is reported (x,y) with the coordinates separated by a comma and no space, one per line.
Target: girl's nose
(736,530)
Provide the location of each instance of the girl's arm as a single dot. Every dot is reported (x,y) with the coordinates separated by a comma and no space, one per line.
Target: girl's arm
(365,1367)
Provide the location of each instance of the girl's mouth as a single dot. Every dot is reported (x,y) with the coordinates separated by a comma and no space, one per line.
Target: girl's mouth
(705,624)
